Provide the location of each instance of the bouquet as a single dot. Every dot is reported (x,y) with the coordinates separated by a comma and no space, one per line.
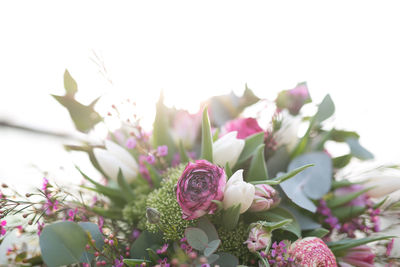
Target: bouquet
(216,188)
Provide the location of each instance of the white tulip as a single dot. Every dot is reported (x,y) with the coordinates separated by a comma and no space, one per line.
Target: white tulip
(238,191)
(383,185)
(227,149)
(113,158)
(287,133)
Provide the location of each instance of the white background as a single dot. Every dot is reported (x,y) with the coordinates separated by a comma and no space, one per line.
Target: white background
(192,50)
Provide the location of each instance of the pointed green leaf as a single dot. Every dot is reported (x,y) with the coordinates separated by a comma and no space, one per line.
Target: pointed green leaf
(70,84)
(337,201)
(108,213)
(62,243)
(345,244)
(182,153)
(280,215)
(342,161)
(84,117)
(216,135)
(258,167)
(161,134)
(135,262)
(230,217)
(196,238)
(325,109)
(284,177)
(126,190)
(154,175)
(319,232)
(228,170)
(206,138)
(250,146)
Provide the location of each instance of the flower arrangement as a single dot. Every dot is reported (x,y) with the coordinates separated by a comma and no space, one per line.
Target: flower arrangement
(210,189)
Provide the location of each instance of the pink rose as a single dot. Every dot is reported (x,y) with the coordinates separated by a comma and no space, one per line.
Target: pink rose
(244,126)
(200,183)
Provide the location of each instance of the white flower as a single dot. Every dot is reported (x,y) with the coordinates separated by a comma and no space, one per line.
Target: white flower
(383,185)
(227,149)
(115,157)
(287,133)
(238,192)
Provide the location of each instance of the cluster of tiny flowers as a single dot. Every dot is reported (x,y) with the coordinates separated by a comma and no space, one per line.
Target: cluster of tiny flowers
(150,158)
(40,227)
(3,227)
(362,224)
(331,220)
(277,255)
(51,204)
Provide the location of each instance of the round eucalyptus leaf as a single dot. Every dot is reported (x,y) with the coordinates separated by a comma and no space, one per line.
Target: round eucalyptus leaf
(62,243)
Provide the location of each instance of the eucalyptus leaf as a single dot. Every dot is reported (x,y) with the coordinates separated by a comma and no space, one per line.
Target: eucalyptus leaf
(206,138)
(205,225)
(302,217)
(226,260)
(62,243)
(279,214)
(357,150)
(96,235)
(325,109)
(211,247)
(196,238)
(145,240)
(311,183)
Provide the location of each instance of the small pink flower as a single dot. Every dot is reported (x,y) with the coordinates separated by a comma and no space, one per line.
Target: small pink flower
(361,256)
(244,126)
(163,249)
(130,143)
(312,251)
(200,183)
(293,99)
(162,151)
(2,227)
(258,238)
(265,198)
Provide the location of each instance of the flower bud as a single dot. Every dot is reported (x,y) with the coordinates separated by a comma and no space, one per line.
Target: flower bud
(227,149)
(259,238)
(265,198)
(114,158)
(244,126)
(359,256)
(153,216)
(238,191)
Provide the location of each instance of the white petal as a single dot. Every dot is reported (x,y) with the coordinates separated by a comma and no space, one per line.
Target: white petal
(122,155)
(383,186)
(237,177)
(108,163)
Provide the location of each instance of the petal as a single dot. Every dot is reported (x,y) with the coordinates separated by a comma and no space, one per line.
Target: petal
(122,155)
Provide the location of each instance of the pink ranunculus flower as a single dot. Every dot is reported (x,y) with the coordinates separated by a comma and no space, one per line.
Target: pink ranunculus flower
(312,251)
(200,183)
(265,198)
(244,126)
(361,256)
(258,239)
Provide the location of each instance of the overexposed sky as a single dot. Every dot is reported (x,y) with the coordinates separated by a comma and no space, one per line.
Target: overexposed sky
(192,50)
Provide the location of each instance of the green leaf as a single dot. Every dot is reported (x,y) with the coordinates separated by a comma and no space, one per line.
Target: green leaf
(152,255)
(196,238)
(205,225)
(108,213)
(226,260)
(337,201)
(341,135)
(280,215)
(154,175)
(93,230)
(230,217)
(126,190)
(219,204)
(84,117)
(319,232)
(342,161)
(135,262)
(278,162)
(357,150)
(284,177)
(228,170)
(62,243)
(345,244)
(161,133)
(258,167)
(311,183)
(216,135)
(107,191)
(206,138)
(145,240)
(182,153)
(70,84)
(250,146)
(325,109)
(345,213)
(341,183)
(211,247)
